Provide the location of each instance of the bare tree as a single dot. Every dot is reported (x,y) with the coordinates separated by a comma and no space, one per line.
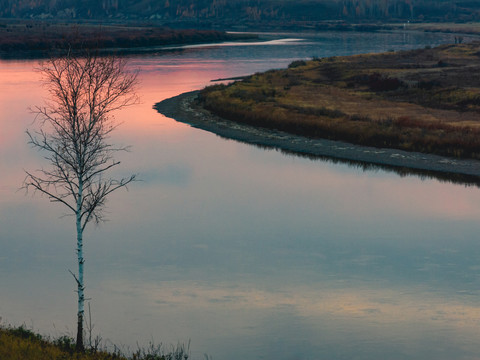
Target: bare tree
(75,124)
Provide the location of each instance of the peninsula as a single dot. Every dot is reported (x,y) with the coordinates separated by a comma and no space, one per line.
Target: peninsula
(417,109)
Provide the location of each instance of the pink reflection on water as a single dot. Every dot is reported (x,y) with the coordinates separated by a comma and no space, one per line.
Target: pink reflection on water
(19,89)
(158,82)
(143,127)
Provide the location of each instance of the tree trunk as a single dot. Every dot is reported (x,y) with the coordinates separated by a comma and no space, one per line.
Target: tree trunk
(79,344)
(80,284)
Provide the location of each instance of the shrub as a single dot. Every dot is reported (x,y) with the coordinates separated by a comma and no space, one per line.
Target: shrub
(377,82)
(297,63)
(65,343)
(23,333)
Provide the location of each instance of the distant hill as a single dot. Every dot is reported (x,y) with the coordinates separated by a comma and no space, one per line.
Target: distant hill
(250,11)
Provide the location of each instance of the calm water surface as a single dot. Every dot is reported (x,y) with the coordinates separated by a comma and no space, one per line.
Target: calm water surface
(250,253)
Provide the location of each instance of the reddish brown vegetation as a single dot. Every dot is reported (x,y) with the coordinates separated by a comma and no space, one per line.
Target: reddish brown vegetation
(424,100)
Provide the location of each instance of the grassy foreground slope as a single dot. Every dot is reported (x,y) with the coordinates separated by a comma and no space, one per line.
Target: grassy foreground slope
(23,344)
(425,100)
(20,344)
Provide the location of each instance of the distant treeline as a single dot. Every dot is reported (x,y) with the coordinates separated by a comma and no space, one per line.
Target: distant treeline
(245,10)
(43,36)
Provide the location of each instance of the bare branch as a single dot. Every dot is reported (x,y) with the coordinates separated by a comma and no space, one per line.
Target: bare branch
(75,125)
(75,277)
(38,184)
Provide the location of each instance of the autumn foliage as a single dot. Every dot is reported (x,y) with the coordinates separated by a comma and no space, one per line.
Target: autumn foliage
(423,100)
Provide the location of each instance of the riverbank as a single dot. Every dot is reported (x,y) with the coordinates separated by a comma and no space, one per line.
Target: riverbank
(184,108)
(466,28)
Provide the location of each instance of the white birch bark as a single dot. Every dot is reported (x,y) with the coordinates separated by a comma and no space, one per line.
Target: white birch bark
(80,260)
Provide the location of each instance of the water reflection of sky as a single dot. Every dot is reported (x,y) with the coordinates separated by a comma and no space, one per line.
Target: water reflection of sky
(249,253)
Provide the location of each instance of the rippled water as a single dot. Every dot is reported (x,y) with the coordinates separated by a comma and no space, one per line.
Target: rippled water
(249,253)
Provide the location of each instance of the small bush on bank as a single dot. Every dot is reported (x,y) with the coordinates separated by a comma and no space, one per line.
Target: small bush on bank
(297,63)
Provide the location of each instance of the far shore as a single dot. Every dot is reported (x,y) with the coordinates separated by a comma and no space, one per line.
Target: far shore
(183,108)
(37,39)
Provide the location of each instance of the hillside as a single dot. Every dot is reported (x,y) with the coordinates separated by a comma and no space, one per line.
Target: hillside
(210,12)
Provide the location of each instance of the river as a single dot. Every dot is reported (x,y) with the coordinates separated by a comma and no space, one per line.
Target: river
(249,253)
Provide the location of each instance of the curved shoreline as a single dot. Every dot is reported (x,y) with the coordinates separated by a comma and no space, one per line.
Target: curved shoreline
(182,109)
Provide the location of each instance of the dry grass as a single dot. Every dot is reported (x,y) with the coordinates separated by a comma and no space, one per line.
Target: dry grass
(425,100)
(23,344)
(462,28)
